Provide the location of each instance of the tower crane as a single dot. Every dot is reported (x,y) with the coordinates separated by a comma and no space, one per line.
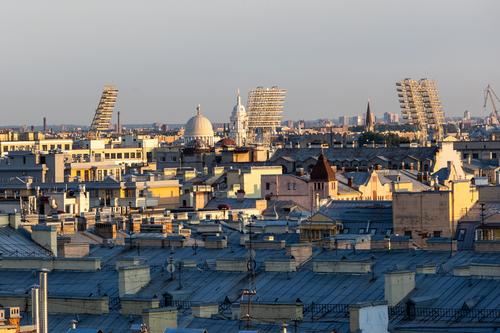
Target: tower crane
(489,94)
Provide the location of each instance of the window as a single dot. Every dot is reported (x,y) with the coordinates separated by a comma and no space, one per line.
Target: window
(119,155)
(66,147)
(268,186)
(127,155)
(436,234)
(475,156)
(408,233)
(373,231)
(388,232)
(44,147)
(361,230)
(461,234)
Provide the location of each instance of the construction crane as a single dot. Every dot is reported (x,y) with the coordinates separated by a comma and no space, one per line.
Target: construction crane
(489,94)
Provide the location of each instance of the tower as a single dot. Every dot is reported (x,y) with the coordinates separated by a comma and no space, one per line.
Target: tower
(238,123)
(420,106)
(104,111)
(369,120)
(265,109)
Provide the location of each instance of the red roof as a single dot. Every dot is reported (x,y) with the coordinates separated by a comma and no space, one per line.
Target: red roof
(322,171)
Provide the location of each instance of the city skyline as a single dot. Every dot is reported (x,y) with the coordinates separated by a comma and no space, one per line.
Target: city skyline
(165,58)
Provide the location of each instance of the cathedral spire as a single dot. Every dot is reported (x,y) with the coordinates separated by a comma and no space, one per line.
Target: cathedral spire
(370,119)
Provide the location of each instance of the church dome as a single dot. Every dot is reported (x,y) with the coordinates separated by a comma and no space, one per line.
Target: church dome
(198,126)
(239,109)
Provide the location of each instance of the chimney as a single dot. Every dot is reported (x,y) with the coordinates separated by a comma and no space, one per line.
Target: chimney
(497,177)
(240,195)
(350,181)
(469,158)
(44,125)
(119,125)
(35,308)
(284,327)
(362,317)
(398,284)
(44,320)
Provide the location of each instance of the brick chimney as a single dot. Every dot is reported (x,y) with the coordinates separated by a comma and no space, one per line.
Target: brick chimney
(350,181)
(240,195)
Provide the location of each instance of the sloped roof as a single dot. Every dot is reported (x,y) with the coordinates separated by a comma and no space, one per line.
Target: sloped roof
(322,171)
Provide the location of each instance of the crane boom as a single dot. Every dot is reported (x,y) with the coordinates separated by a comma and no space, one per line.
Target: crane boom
(489,94)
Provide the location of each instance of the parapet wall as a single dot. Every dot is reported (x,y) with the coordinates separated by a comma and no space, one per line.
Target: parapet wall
(61,304)
(34,263)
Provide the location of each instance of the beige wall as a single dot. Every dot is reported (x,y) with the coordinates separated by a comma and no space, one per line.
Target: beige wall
(132,279)
(424,213)
(157,320)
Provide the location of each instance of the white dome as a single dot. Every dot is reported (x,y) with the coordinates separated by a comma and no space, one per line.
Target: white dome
(198,126)
(239,109)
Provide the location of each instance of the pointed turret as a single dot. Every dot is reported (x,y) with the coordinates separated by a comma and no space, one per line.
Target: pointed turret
(369,120)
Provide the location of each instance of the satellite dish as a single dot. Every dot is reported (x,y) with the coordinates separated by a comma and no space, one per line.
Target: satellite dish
(170,268)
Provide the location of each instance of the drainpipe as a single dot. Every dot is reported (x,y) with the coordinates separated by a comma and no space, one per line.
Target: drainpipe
(35,308)
(43,302)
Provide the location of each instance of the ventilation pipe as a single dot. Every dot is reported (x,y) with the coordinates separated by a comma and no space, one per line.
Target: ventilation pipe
(35,308)
(44,327)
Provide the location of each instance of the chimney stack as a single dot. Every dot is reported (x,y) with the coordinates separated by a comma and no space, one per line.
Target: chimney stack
(44,125)
(35,308)
(240,195)
(119,125)
(350,181)
(44,320)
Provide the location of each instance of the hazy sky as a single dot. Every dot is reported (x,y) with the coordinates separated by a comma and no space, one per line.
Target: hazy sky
(168,56)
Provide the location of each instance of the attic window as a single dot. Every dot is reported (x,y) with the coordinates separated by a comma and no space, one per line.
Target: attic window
(461,234)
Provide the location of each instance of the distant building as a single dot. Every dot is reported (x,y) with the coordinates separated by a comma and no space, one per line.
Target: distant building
(265,109)
(308,193)
(199,128)
(343,121)
(420,105)
(391,118)
(104,111)
(356,120)
(466,115)
(238,123)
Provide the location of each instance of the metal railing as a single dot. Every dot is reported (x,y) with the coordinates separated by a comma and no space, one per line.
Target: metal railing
(409,313)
